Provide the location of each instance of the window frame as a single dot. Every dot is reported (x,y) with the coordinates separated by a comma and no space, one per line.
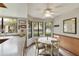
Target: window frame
(30,22)
(46,28)
(38,30)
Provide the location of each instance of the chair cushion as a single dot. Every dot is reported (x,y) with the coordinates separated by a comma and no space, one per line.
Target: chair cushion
(44,53)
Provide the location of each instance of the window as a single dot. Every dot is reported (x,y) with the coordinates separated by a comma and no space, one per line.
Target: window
(48,28)
(35,27)
(30,29)
(38,28)
(0,25)
(8,25)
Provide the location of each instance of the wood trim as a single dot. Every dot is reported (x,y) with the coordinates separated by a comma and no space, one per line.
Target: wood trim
(2,25)
(66,36)
(68,51)
(69,43)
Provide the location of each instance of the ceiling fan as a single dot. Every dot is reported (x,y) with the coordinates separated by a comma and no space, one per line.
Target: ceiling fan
(2,5)
(49,9)
(48,12)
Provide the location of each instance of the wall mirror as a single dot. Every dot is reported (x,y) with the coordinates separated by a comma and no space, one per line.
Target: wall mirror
(69,25)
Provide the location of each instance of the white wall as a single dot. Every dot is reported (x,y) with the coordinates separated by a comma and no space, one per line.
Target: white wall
(59,21)
(14,10)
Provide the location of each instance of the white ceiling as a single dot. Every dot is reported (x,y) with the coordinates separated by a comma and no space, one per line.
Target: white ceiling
(37,9)
(14,10)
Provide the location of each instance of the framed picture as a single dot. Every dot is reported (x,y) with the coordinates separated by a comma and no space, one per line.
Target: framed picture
(22,26)
(22,22)
(70,25)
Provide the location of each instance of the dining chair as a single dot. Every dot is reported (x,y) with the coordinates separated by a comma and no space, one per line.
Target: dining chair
(39,46)
(51,49)
(46,51)
(55,48)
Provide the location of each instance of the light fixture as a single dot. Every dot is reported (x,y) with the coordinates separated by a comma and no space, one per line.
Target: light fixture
(2,5)
(48,11)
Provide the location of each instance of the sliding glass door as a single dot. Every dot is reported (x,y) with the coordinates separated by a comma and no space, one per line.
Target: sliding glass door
(38,28)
